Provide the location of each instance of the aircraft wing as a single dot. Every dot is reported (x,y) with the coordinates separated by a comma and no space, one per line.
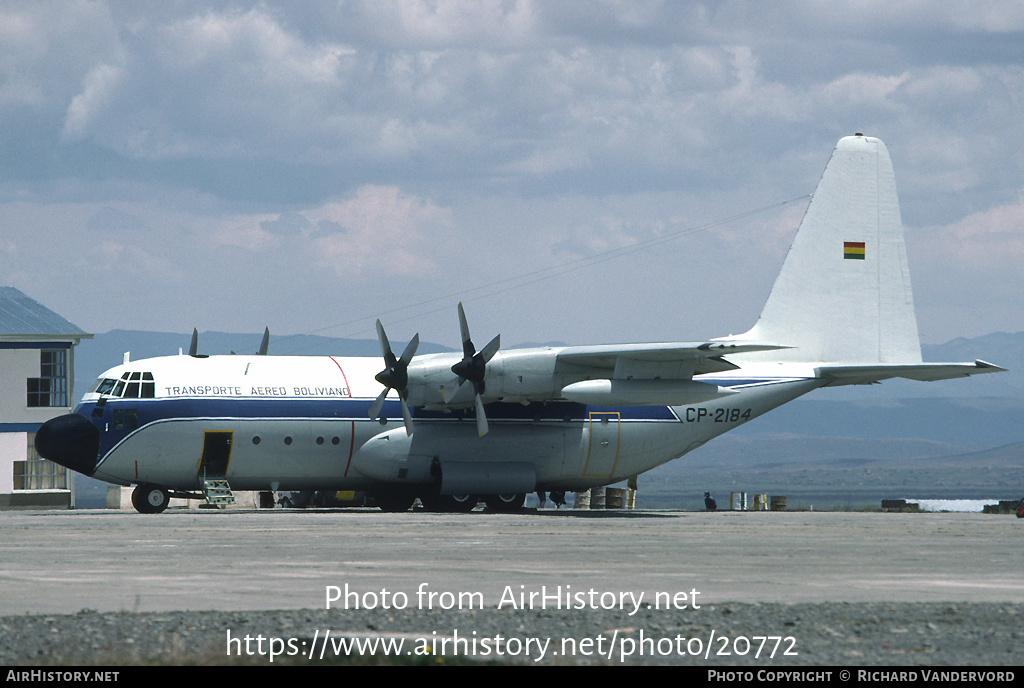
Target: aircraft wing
(617,374)
(673,361)
(924,372)
(646,374)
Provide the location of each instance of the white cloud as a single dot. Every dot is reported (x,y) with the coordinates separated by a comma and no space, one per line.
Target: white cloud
(860,90)
(249,232)
(46,49)
(478,23)
(990,239)
(381,229)
(95,97)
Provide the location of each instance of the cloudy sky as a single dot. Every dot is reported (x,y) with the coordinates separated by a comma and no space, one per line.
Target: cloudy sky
(589,172)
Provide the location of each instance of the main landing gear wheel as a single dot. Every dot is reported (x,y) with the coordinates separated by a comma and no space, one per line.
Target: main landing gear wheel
(150,499)
(505,503)
(394,502)
(459,504)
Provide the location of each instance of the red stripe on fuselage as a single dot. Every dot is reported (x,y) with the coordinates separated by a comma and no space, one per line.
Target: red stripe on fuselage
(351,448)
(352,436)
(343,375)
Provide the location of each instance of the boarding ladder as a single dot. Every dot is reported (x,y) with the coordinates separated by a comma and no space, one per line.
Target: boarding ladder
(218,492)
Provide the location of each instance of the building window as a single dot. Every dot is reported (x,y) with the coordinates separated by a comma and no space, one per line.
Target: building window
(38,474)
(51,387)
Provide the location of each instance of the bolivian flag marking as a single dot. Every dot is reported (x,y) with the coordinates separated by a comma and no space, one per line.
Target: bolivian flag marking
(853,250)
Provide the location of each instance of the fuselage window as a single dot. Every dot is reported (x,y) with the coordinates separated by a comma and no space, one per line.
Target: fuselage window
(126,419)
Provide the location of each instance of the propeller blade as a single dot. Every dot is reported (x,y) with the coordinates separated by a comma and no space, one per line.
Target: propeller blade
(376,405)
(406,417)
(492,348)
(450,389)
(410,349)
(463,324)
(193,348)
(385,345)
(481,417)
(265,344)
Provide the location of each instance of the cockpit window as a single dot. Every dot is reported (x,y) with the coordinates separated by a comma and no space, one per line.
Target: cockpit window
(132,389)
(104,385)
(148,386)
(140,385)
(137,385)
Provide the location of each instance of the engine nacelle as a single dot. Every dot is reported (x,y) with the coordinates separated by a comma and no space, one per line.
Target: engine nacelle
(387,458)
(643,392)
(522,375)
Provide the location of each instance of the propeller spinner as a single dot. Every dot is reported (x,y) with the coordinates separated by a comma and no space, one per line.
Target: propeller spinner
(395,376)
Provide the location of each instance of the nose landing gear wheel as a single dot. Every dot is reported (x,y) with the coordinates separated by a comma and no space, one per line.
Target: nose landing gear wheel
(150,499)
(394,502)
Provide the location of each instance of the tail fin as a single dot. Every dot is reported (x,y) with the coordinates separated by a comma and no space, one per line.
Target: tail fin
(843,295)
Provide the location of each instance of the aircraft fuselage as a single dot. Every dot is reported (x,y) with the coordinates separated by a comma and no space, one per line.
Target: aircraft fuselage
(295,423)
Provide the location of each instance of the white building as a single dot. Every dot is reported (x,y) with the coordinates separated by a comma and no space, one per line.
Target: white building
(37,354)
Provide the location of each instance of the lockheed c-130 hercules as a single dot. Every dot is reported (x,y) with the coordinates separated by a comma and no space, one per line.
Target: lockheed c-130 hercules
(497,424)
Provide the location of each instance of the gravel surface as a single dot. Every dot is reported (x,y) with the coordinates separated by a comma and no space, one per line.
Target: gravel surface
(979,634)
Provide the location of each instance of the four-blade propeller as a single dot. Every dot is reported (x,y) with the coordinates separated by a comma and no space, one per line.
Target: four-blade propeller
(395,376)
(472,368)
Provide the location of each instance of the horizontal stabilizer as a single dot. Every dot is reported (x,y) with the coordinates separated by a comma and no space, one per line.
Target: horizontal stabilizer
(924,372)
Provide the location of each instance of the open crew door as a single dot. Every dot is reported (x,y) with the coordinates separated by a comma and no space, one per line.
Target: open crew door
(216,454)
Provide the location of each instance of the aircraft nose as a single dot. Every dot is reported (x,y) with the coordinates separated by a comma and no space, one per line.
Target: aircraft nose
(70,440)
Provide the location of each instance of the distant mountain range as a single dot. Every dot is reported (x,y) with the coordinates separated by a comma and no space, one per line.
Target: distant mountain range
(850,445)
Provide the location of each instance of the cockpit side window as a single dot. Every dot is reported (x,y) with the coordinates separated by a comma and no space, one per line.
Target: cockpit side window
(104,385)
